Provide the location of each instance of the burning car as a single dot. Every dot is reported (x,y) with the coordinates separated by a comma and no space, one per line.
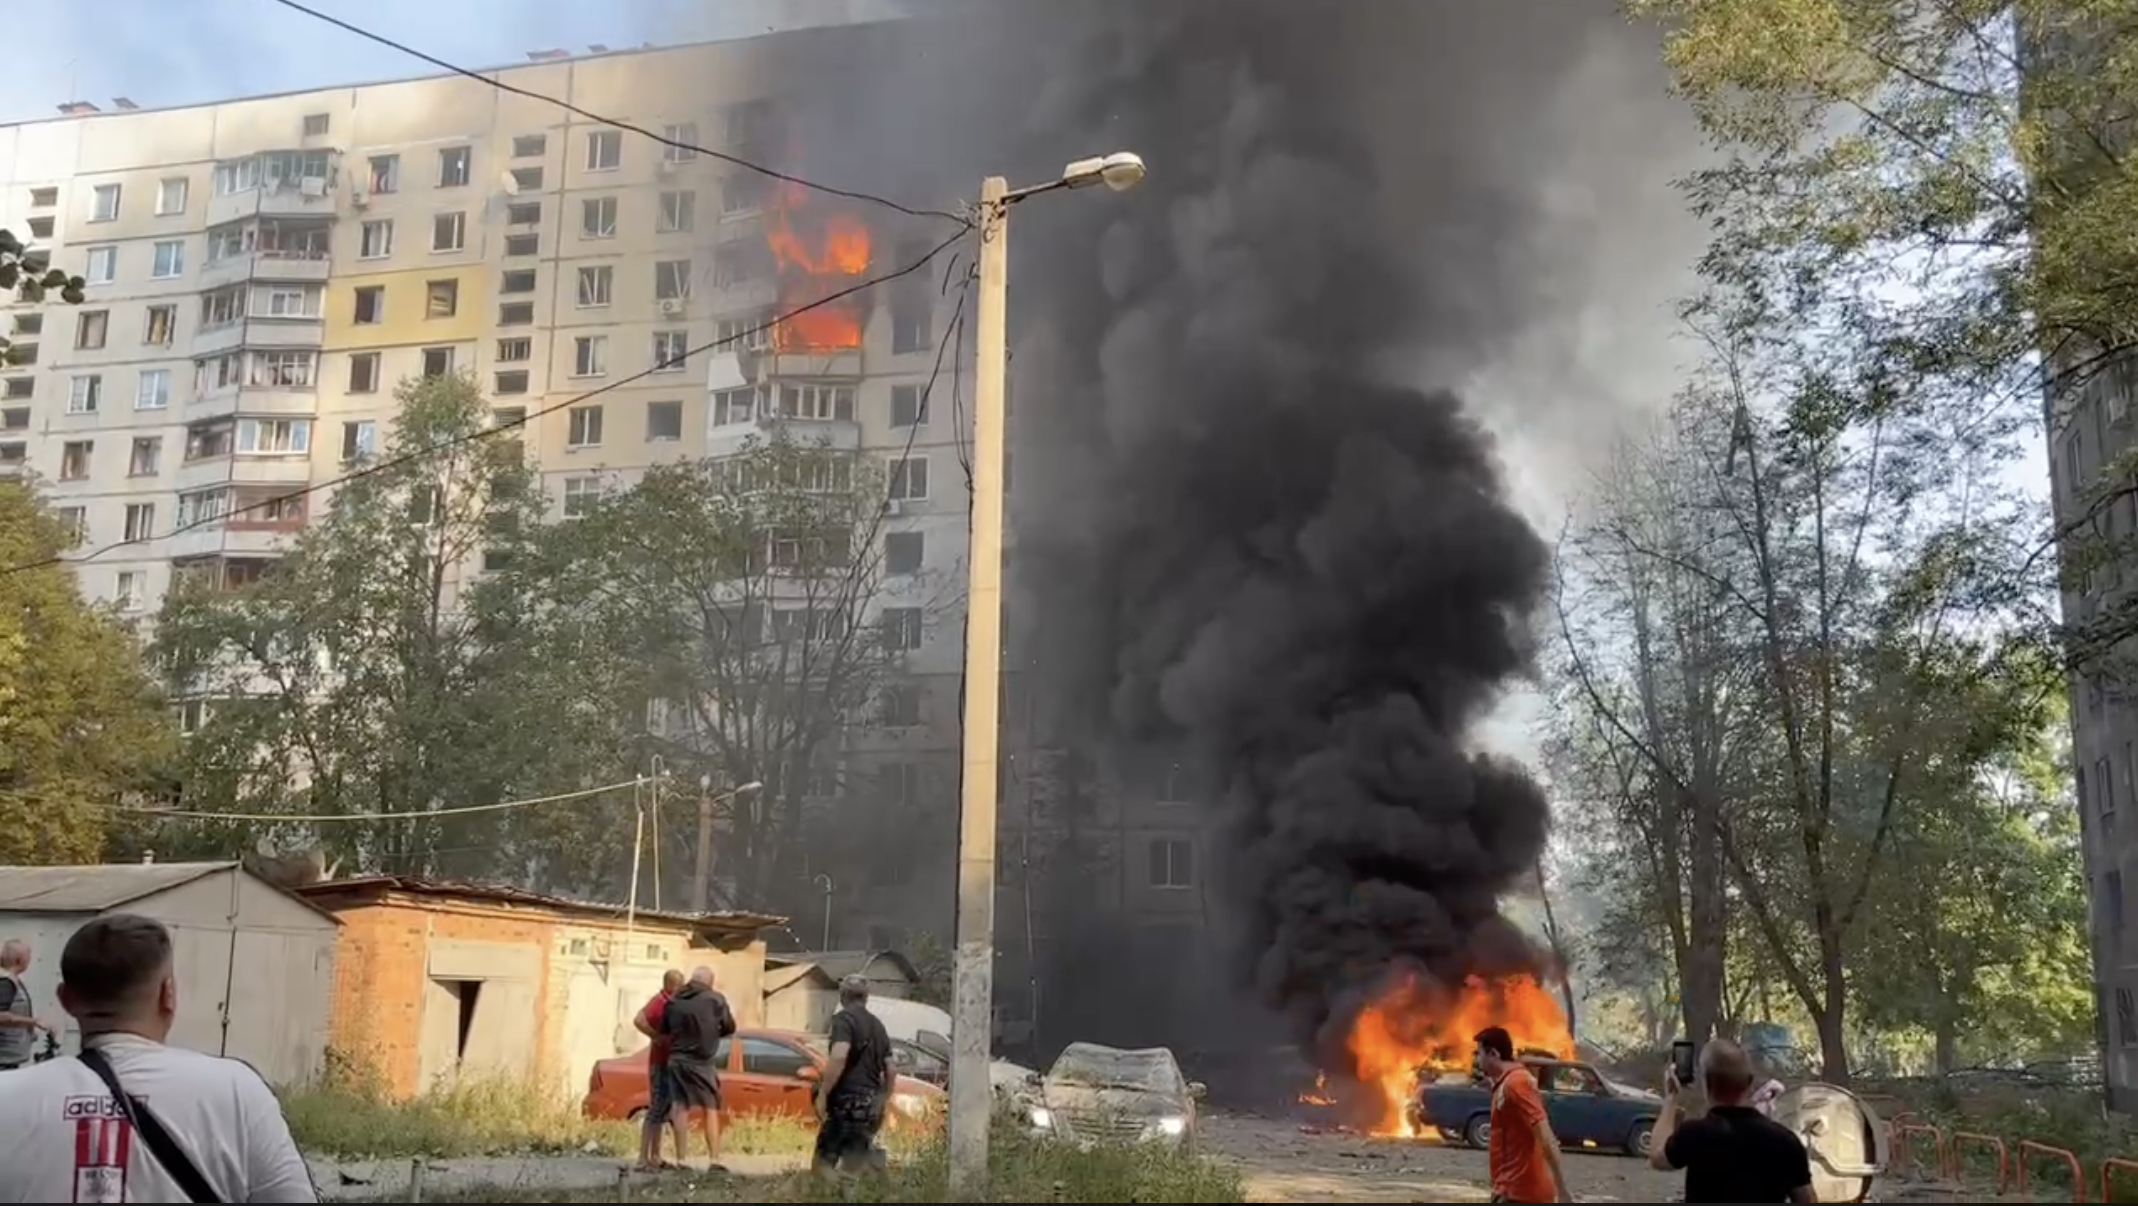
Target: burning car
(1586,1109)
(1096,1094)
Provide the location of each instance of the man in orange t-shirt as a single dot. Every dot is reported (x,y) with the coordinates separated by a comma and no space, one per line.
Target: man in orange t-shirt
(1525,1153)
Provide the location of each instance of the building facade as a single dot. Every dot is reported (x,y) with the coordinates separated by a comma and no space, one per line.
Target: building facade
(263,272)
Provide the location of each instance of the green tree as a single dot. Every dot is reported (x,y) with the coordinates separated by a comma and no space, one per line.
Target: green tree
(81,724)
(30,277)
(722,609)
(381,667)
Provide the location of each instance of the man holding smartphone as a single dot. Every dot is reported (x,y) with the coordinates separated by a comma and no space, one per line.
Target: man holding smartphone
(1734,1153)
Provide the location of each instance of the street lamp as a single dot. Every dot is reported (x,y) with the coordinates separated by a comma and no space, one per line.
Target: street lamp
(973,967)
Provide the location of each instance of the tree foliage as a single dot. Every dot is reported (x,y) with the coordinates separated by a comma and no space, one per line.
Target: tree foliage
(28,275)
(81,725)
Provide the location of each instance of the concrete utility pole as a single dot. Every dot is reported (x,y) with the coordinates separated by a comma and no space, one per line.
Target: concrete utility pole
(701,875)
(972,1012)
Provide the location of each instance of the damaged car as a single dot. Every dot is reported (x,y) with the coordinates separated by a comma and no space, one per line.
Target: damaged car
(1095,1094)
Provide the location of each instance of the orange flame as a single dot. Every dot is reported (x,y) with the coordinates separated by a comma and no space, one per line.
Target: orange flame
(1415,1028)
(818,252)
(1320,1095)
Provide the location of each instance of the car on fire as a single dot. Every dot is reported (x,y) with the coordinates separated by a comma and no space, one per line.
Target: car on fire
(1587,1110)
(771,1072)
(1095,1094)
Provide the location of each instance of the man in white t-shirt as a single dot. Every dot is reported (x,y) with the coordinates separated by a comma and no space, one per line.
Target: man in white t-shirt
(68,1139)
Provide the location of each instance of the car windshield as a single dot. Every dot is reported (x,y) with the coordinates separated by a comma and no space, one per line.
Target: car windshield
(1152,1071)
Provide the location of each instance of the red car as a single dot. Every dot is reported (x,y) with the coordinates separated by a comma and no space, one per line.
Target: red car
(761,1072)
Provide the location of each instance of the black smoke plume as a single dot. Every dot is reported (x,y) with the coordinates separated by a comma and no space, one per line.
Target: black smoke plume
(1254,522)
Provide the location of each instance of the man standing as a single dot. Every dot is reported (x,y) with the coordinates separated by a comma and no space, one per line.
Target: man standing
(132,1120)
(695,1019)
(856,1084)
(660,1102)
(19,1026)
(1525,1153)
(1734,1153)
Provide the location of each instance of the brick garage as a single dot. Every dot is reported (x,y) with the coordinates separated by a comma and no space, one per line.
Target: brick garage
(441,982)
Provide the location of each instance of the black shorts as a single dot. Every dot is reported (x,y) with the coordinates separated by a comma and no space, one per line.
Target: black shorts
(692,1084)
(848,1133)
(661,1094)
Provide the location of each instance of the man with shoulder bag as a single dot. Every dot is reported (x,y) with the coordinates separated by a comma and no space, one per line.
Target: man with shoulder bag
(19,1027)
(131,1119)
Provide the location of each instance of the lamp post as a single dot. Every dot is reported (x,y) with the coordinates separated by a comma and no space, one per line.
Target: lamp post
(973,965)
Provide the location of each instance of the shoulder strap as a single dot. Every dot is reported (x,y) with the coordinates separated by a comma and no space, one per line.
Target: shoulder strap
(145,1123)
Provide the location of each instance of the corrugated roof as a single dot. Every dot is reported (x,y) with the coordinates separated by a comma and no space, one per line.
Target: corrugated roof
(726,921)
(93,889)
(788,975)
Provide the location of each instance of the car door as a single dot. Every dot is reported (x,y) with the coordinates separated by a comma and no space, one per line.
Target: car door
(770,1075)
(1574,1102)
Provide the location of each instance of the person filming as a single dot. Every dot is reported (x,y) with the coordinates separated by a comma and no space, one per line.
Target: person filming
(1734,1153)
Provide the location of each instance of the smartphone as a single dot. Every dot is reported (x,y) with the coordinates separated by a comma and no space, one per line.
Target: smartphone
(1682,1057)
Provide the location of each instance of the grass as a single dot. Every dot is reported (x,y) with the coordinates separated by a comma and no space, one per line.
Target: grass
(2071,1119)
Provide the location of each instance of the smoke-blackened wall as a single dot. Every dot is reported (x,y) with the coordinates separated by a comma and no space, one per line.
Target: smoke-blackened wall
(1254,524)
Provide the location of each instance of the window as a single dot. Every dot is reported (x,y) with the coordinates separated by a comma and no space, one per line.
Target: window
(680,142)
(519,280)
(161,326)
(18,388)
(44,198)
(152,391)
(85,395)
(751,333)
(142,461)
(596,284)
(508,416)
(222,307)
(272,437)
(523,213)
(1172,863)
(530,146)
(909,406)
(377,240)
(449,232)
(2126,1019)
(523,244)
(731,406)
(441,299)
(91,328)
(1174,789)
(23,354)
(580,494)
(282,370)
(743,194)
(671,280)
(597,218)
(902,629)
(171,196)
(170,259)
(901,706)
(74,521)
(909,478)
(127,593)
(41,228)
(359,439)
(364,373)
(437,362)
(370,304)
(590,356)
(290,301)
(817,403)
(664,422)
(140,520)
(315,125)
(385,173)
(604,150)
(737,263)
(514,382)
(2112,903)
(670,350)
(74,459)
(912,323)
(454,166)
(515,351)
(101,266)
(516,314)
(28,324)
(902,552)
(770,1057)
(104,203)
(527,180)
(584,427)
(679,212)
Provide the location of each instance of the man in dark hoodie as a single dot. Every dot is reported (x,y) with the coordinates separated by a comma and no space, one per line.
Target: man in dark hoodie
(695,1021)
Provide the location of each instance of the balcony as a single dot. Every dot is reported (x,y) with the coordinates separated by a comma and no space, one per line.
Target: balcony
(278,469)
(293,267)
(223,539)
(306,197)
(279,332)
(771,366)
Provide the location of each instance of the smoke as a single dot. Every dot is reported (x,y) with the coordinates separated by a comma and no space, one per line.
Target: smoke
(1255,524)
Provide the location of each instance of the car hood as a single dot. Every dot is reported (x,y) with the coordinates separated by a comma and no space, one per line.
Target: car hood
(1071,1097)
(1632,1094)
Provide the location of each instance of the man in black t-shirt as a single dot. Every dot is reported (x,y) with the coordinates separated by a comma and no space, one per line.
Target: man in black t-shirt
(1734,1153)
(856,1084)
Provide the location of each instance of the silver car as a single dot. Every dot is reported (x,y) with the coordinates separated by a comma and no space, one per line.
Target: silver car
(1096,1094)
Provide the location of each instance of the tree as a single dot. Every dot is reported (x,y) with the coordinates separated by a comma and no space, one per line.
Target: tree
(81,725)
(728,605)
(29,276)
(377,669)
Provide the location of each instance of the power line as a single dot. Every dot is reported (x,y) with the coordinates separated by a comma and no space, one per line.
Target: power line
(425,815)
(523,420)
(576,111)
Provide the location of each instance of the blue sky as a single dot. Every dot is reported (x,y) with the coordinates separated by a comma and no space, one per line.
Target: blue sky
(161,54)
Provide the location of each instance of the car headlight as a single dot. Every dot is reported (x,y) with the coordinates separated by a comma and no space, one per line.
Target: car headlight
(1172,1128)
(1042,1117)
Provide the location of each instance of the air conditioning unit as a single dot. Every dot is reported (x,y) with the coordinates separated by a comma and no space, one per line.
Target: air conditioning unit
(358,197)
(672,306)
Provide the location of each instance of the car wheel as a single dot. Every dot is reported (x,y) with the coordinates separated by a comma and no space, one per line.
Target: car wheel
(1642,1140)
(1478,1132)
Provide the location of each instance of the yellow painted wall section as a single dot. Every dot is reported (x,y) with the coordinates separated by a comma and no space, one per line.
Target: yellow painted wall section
(405,320)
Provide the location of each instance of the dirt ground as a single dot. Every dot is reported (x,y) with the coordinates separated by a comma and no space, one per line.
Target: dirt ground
(1285,1163)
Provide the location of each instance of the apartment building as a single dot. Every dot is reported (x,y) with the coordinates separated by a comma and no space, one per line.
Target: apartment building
(263,272)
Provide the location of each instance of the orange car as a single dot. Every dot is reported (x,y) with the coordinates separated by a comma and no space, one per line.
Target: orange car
(761,1072)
